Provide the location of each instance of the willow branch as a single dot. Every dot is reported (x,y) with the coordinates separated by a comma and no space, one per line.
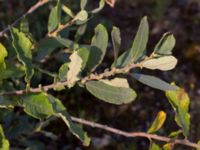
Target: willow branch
(135,134)
(83,80)
(31,10)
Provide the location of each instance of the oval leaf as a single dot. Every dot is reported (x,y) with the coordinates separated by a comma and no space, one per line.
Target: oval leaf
(98,48)
(111,94)
(158,122)
(82,15)
(165,45)
(22,46)
(116,40)
(75,66)
(163,63)
(179,101)
(117,82)
(153,82)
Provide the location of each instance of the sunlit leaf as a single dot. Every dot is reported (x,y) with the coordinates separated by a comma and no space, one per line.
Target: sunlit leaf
(68,11)
(179,100)
(117,82)
(101,5)
(162,63)
(83,4)
(165,45)
(168,146)
(22,46)
(158,122)
(4,143)
(111,94)
(153,82)
(82,15)
(154,146)
(75,66)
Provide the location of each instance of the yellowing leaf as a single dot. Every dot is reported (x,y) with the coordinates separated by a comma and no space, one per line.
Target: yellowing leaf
(117,82)
(179,100)
(158,122)
(3,53)
(74,69)
(4,143)
(163,63)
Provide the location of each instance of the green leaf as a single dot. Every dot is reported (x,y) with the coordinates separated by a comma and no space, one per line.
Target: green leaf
(62,73)
(179,101)
(83,4)
(98,47)
(80,31)
(165,45)
(168,146)
(84,54)
(4,143)
(6,102)
(154,146)
(75,66)
(46,46)
(82,15)
(111,94)
(24,25)
(37,105)
(101,6)
(68,11)
(158,122)
(138,48)
(153,82)
(162,63)
(60,111)
(116,40)
(140,42)
(3,53)
(174,134)
(66,42)
(54,17)
(22,46)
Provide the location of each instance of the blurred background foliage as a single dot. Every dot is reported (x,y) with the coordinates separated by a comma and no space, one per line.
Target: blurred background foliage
(180,17)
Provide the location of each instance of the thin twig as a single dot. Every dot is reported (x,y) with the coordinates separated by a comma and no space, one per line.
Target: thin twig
(100,76)
(134,134)
(31,10)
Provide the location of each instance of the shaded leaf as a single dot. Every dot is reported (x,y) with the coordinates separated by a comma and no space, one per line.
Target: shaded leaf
(158,122)
(22,46)
(80,31)
(4,143)
(140,42)
(162,63)
(60,111)
(24,26)
(199,144)
(54,17)
(62,73)
(111,94)
(84,54)
(153,82)
(98,47)
(116,40)
(37,105)
(138,48)
(46,46)
(117,82)
(75,66)
(165,45)
(179,100)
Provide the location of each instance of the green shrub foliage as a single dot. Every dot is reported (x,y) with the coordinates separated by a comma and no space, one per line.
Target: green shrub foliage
(20,60)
